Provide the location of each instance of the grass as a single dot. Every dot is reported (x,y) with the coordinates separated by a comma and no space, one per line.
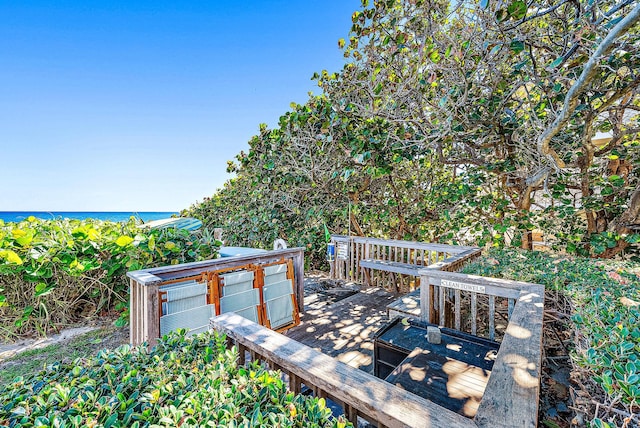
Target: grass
(33,360)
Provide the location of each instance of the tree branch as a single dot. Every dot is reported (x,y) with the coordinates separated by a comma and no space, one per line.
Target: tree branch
(571,100)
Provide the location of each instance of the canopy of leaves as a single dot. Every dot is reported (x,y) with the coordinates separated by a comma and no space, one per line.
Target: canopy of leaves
(469,121)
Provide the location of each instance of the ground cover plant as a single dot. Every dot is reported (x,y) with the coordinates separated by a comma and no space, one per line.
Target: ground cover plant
(604,312)
(25,362)
(55,272)
(184,382)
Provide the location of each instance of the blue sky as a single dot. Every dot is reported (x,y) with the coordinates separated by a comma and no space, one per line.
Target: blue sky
(117,106)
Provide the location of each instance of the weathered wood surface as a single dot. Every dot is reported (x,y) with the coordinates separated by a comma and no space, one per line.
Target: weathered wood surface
(363,393)
(388,266)
(376,262)
(512,393)
(404,244)
(156,276)
(451,383)
(345,328)
(145,284)
(492,286)
(407,305)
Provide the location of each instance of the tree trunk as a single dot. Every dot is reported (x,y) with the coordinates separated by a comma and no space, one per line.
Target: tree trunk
(623,226)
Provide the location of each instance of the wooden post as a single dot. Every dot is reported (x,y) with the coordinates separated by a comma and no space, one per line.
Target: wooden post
(298,264)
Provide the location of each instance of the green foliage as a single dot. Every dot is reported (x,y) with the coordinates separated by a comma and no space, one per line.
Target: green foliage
(55,271)
(606,311)
(186,382)
(428,133)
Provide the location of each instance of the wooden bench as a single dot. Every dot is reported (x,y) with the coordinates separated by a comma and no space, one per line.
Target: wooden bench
(389,266)
(377,262)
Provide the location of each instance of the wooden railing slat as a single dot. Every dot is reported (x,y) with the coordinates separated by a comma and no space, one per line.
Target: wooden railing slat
(441,310)
(457,299)
(492,317)
(474,314)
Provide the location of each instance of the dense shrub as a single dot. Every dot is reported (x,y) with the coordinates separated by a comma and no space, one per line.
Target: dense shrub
(56,271)
(182,382)
(605,296)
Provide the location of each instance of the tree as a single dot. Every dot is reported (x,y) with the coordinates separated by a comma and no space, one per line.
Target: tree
(514,92)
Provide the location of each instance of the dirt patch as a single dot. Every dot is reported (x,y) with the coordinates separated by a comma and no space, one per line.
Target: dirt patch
(31,355)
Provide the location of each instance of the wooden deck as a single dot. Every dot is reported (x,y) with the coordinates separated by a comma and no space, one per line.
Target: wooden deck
(344,330)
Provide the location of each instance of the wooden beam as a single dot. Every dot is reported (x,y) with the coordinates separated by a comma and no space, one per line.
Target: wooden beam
(389,266)
(162,274)
(511,396)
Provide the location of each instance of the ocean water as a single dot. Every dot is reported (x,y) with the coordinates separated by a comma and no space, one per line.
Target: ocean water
(16,216)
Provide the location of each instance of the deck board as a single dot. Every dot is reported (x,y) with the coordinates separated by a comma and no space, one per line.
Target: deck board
(344,330)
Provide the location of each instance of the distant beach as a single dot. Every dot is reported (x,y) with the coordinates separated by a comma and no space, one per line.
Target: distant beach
(17,216)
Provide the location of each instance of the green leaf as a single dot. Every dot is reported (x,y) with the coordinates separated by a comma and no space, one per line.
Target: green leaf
(484,4)
(124,240)
(555,63)
(11,257)
(517,46)
(517,9)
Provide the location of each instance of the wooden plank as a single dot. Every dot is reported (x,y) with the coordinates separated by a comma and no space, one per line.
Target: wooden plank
(389,266)
(441,308)
(152,321)
(298,267)
(133,315)
(408,244)
(474,314)
(491,286)
(511,397)
(489,283)
(425,303)
(492,317)
(354,262)
(457,299)
(367,394)
(351,414)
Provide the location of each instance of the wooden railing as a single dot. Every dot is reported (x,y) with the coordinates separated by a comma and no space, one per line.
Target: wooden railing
(511,395)
(360,394)
(350,251)
(144,324)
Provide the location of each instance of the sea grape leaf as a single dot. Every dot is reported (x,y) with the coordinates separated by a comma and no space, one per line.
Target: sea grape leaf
(517,9)
(11,257)
(124,240)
